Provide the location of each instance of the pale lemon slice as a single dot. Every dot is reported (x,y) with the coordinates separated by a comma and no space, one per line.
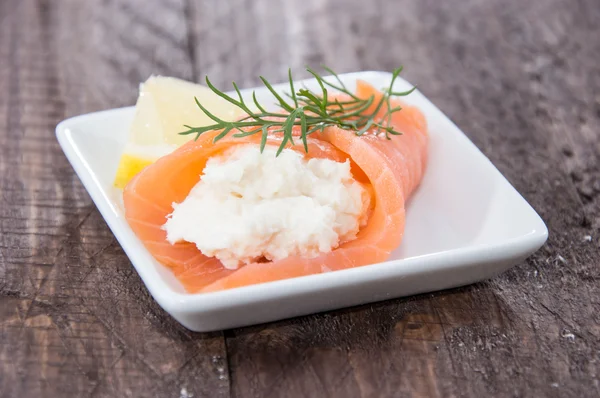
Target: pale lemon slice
(135,158)
(164,106)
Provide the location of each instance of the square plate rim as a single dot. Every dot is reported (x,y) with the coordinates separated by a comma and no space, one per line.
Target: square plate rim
(173,301)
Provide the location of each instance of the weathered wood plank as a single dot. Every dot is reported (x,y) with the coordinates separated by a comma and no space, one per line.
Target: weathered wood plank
(76,319)
(520,78)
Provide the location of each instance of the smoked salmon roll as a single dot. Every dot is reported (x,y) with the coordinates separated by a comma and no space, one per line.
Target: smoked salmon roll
(224,214)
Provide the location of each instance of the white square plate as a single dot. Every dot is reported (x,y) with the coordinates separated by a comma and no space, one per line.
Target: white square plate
(465,223)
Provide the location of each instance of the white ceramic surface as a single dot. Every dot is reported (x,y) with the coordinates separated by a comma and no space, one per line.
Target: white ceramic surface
(464,224)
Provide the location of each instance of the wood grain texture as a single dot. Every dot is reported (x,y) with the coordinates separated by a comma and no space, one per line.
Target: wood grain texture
(522,79)
(76,319)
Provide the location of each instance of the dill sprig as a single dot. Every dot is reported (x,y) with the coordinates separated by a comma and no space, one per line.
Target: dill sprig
(309,110)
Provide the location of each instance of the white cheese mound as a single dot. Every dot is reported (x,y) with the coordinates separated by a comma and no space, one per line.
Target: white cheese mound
(250,206)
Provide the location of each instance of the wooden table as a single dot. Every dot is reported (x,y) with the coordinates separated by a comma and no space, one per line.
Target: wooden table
(521,78)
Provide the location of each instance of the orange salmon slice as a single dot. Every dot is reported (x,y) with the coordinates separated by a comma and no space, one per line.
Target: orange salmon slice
(391,169)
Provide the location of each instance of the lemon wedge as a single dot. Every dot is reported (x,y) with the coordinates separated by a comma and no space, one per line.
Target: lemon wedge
(135,158)
(163,106)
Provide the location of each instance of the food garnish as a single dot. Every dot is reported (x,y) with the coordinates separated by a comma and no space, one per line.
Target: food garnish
(311,111)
